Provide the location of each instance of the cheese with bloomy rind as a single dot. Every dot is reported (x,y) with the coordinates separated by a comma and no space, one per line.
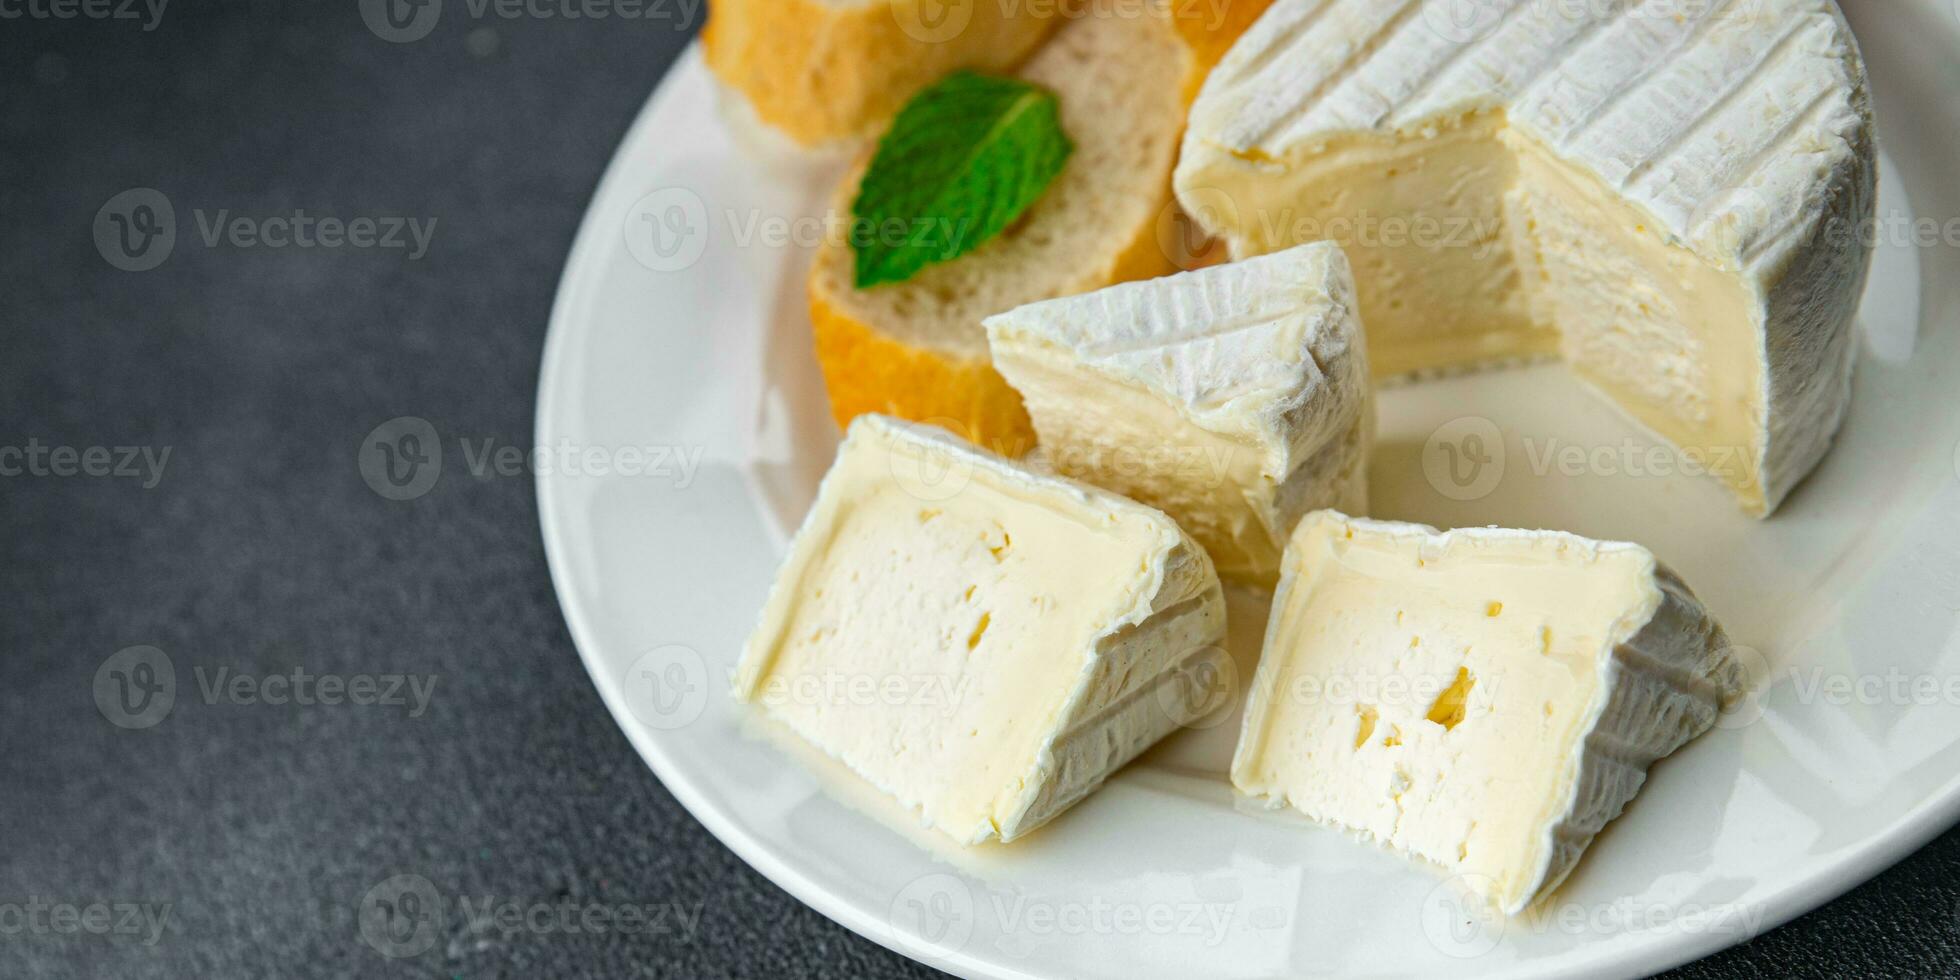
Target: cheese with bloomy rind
(979,641)
(1236,397)
(1484,700)
(1670,196)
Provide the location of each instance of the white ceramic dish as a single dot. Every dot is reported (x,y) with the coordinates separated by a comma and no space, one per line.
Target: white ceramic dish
(692,347)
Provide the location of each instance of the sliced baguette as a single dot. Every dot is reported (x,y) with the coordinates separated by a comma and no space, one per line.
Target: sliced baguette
(1124,73)
(833,72)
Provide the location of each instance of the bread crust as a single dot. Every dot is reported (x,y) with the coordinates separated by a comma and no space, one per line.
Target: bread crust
(829,72)
(865,372)
(866,369)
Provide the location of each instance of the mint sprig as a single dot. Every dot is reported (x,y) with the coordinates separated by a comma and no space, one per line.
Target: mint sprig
(963,159)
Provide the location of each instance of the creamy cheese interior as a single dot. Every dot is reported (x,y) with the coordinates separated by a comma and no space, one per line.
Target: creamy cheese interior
(1434,699)
(932,639)
(1131,440)
(1472,243)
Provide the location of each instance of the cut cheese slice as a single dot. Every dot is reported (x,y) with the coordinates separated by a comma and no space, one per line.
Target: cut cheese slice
(1485,700)
(979,641)
(1669,196)
(1235,398)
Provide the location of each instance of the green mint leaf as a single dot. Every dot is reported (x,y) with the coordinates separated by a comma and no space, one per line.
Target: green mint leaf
(963,159)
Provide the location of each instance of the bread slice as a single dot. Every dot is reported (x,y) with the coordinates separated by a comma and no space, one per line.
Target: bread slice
(1124,74)
(827,72)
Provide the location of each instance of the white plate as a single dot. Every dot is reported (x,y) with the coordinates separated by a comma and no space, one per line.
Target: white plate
(1847,760)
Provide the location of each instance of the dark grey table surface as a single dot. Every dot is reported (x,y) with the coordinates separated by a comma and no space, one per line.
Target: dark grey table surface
(239,837)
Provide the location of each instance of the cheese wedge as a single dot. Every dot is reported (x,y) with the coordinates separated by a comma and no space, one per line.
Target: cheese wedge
(1666,195)
(979,641)
(1484,700)
(1123,72)
(1234,398)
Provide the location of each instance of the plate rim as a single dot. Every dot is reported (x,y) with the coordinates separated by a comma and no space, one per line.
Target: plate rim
(1911,831)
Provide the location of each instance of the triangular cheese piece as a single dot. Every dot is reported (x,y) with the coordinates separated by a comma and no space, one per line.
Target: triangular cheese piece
(1235,397)
(982,642)
(1484,700)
